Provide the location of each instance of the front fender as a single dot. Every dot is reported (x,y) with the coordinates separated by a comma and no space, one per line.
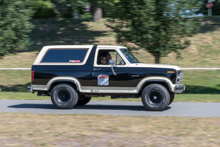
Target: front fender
(156,80)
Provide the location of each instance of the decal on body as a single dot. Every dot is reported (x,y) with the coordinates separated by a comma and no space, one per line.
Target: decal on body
(74,61)
(103,79)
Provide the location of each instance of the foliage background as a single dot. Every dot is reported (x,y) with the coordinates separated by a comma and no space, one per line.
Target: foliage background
(159,27)
(14,25)
(43,9)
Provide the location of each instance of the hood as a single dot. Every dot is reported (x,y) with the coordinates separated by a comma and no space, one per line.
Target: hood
(155,66)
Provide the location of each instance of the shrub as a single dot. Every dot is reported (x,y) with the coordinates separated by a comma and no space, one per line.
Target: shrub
(14,25)
(42,9)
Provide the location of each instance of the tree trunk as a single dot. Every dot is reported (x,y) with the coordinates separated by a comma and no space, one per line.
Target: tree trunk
(97,16)
(157,59)
(95,11)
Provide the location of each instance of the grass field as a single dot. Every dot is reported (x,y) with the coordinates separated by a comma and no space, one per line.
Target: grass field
(201,86)
(204,50)
(97,130)
(15,81)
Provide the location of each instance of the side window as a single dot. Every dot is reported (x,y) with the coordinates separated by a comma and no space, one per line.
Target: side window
(105,55)
(119,60)
(65,55)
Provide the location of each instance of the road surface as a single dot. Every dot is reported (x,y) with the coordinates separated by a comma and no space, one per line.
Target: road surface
(182,109)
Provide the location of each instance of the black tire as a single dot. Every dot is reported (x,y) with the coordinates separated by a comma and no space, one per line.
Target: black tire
(155,97)
(83,100)
(171,98)
(64,96)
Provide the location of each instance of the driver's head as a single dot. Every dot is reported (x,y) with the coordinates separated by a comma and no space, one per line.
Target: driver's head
(102,59)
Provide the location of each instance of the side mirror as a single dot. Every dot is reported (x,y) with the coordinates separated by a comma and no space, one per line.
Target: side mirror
(112,62)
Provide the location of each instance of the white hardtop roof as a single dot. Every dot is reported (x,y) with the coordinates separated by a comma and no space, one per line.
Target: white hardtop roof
(89,46)
(67,46)
(111,46)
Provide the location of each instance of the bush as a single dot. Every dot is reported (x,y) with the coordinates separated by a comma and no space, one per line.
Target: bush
(42,9)
(14,25)
(66,8)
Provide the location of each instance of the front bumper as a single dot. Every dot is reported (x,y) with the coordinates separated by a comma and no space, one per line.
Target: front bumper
(29,88)
(179,88)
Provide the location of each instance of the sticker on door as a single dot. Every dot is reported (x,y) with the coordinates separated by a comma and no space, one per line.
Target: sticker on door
(103,79)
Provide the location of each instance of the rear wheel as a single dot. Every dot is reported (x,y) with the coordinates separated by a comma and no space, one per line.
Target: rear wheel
(83,100)
(64,96)
(155,97)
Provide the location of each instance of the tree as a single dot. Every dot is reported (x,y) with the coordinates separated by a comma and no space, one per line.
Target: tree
(99,5)
(66,8)
(42,9)
(93,6)
(158,26)
(14,25)
(216,7)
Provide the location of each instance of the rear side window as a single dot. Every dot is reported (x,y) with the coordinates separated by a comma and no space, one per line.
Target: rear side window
(65,55)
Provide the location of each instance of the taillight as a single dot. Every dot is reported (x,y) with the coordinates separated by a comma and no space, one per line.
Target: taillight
(32,75)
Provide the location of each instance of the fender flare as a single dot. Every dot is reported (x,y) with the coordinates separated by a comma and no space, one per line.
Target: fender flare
(64,79)
(155,79)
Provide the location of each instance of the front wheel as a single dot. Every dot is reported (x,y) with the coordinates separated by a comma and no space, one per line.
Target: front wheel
(171,98)
(155,97)
(64,96)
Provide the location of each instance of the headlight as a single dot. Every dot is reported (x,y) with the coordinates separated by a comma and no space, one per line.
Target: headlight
(179,77)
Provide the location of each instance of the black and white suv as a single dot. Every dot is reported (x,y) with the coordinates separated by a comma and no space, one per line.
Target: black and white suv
(72,74)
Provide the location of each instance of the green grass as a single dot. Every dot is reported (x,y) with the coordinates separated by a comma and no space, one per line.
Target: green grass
(202,81)
(201,86)
(22,96)
(15,81)
(19,60)
(197,98)
(204,50)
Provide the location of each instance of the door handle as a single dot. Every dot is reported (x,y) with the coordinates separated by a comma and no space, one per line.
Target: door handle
(96,69)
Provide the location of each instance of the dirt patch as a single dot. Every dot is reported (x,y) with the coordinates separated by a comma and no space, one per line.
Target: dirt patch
(97,130)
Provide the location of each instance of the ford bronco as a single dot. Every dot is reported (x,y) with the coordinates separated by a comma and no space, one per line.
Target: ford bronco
(72,74)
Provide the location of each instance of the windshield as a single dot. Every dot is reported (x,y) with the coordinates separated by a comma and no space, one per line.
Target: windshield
(131,58)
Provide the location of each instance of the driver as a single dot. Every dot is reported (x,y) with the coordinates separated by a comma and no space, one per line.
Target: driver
(103,60)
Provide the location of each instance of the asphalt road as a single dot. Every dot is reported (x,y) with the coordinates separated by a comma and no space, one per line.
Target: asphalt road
(182,109)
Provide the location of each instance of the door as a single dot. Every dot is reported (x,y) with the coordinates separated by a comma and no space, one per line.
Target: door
(103,78)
